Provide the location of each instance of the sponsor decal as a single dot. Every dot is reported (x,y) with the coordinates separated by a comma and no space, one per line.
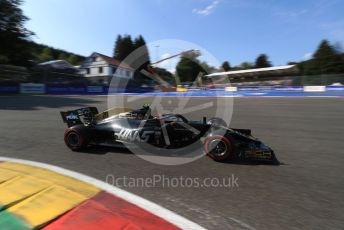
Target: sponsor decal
(72,116)
(231,89)
(32,88)
(314,88)
(133,135)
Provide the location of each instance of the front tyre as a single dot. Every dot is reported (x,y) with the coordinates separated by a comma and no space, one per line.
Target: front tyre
(76,138)
(219,148)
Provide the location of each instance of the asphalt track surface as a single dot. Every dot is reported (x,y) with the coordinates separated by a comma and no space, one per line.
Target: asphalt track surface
(305,192)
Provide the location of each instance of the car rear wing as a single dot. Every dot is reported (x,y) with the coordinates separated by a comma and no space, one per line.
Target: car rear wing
(111,112)
(79,116)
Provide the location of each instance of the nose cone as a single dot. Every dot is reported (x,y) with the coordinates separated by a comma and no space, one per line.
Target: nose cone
(264,147)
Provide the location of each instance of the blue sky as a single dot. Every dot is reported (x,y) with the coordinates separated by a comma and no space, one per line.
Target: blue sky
(233,30)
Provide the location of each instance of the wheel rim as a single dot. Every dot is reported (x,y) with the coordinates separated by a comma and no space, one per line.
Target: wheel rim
(73,139)
(218,147)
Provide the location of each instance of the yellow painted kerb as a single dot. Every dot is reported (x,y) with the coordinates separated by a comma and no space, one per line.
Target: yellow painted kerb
(46,205)
(55,178)
(38,195)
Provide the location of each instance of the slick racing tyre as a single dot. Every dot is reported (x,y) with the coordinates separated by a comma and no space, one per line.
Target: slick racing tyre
(219,148)
(76,138)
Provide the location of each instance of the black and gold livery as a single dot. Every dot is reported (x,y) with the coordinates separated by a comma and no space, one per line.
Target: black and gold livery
(120,127)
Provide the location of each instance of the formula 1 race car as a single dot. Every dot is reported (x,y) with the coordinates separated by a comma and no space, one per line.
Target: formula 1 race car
(120,127)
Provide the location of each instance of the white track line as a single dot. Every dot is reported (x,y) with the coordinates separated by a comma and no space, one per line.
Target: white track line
(156,209)
(242,224)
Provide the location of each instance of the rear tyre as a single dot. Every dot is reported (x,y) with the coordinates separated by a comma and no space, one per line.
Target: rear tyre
(219,148)
(76,138)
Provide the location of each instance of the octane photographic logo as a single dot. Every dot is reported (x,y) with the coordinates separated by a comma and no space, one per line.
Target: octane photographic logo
(183,103)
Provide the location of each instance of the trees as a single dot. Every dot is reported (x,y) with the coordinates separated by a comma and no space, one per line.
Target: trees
(46,55)
(189,67)
(116,49)
(245,65)
(207,69)
(62,56)
(73,59)
(165,75)
(262,61)
(226,66)
(140,42)
(324,51)
(326,60)
(42,53)
(14,47)
(123,47)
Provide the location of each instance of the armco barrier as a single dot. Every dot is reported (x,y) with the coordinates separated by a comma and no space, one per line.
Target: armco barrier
(58,89)
(272,89)
(95,89)
(251,88)
(92,90)
(9,88)
(196,88)
(62,89)
(287,88)
(334,88)
(113,90)
(32,88)
(217,89)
